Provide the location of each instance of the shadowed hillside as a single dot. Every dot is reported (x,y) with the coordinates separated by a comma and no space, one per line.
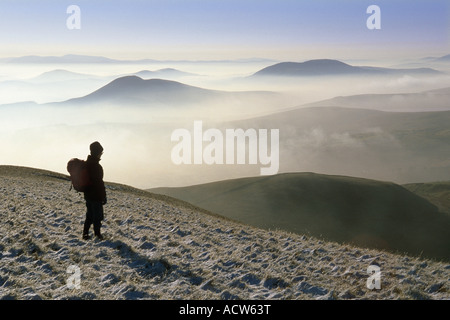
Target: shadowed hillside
(344,209)
(437,193)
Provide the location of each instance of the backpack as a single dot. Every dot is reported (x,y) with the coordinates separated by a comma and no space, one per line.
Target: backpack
(79,174)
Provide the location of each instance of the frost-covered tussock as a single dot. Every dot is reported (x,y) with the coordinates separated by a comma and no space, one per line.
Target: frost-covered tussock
(160,248)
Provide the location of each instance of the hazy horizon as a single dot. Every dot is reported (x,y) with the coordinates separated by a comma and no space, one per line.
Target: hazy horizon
(216,30)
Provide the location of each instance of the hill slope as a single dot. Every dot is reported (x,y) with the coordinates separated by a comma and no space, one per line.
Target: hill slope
(133,90)
(160,248)
(343,209)
(432,100)
(437,193)
(328,67)
(404,147)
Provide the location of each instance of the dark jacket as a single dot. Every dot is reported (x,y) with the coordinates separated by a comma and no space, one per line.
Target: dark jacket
(96,191)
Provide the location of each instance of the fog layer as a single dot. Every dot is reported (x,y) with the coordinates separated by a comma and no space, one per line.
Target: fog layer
(135,117)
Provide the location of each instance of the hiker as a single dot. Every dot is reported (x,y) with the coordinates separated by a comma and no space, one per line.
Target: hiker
(95,193)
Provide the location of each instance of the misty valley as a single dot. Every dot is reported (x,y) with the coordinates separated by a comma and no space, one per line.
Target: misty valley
(386,124)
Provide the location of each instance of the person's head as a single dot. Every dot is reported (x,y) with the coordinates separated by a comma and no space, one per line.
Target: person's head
(96,149)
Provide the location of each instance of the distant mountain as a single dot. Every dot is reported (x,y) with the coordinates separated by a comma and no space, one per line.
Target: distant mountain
(337,208)
(133,90)
(74,58)
(21,104)
(445,58)
(163,73)
(70,58)
(432,100)
(61,84)
(51,86)
(58,75)
(404,147)
(327,67)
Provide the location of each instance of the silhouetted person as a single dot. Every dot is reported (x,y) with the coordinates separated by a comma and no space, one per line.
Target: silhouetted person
(95,194)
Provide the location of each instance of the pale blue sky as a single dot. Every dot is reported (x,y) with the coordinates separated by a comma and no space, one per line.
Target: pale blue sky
(203,29)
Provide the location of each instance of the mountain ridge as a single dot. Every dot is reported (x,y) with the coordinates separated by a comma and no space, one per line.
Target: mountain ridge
(134,89)
(327,67)
(80,59)
(430,100)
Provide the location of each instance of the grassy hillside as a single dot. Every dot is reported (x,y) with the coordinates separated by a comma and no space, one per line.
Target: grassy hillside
(343,209)
(157,247)
(437,193)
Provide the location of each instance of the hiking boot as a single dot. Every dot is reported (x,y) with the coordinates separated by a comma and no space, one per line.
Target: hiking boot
(99,236)
(85,237)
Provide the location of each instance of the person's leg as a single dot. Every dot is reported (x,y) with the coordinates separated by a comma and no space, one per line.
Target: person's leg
(97,219)
(89,219)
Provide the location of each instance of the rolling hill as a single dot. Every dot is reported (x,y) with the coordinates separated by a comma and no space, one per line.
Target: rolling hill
(362,212)
(61,84)
(432,100)
(61,75)
(437,193)
(329,67)
(445,58)
(133,90)
(403,147)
